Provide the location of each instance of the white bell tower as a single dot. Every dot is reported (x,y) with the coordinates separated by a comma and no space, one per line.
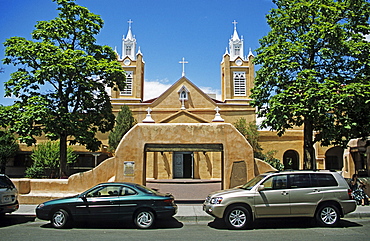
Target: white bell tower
(129,44)
(236,45)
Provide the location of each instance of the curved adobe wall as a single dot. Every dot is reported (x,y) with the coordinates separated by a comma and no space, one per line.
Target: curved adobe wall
(131,147)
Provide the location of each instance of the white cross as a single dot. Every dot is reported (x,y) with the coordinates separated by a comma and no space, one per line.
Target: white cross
(129,23)
(148,110)
(235,22)
(217,109)
(183,62)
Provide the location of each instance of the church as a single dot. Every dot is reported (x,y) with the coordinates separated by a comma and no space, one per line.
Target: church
(185,142)
(183,102)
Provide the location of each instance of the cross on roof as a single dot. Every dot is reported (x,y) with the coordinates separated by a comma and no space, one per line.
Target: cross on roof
(183,62)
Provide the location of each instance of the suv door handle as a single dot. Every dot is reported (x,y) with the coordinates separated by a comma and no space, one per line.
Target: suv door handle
(284,193)
(316,190)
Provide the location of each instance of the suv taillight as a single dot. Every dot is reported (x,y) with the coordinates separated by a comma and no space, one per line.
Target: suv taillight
(350,194)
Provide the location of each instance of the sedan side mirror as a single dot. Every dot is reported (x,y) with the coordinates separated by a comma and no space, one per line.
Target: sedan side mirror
(261,188)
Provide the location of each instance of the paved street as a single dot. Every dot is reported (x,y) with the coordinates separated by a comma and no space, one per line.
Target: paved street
(23,227)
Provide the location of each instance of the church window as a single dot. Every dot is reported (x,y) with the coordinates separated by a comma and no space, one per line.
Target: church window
(128,87)
(183,95)
(239,84)
(237,50)
(128,49)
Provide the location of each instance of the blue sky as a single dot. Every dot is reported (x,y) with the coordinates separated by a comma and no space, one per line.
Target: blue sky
(165,30)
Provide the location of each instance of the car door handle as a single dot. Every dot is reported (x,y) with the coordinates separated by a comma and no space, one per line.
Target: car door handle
(284,193)
(316,190)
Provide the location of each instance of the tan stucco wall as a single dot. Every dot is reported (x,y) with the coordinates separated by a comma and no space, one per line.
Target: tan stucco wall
(131,148)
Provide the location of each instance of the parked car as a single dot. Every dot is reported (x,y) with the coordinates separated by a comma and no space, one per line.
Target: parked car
(324,195)
(110,201)
(8,195)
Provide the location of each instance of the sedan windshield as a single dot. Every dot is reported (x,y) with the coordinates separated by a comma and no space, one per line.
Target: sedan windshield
(252,182)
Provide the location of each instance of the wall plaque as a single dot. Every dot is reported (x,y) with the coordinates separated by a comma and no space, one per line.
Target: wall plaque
(128,168)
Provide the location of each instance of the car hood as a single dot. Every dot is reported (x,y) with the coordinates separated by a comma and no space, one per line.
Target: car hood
(227,191)
(62,200)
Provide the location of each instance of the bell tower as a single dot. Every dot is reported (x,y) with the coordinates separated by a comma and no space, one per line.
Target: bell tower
(237,71)
(133,64)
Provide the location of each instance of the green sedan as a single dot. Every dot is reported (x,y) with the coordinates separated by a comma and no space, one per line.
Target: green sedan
(110,201)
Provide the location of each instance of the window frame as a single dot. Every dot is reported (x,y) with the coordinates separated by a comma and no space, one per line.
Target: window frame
(240,83)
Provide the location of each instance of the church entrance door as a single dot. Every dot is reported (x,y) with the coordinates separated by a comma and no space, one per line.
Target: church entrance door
(183,165)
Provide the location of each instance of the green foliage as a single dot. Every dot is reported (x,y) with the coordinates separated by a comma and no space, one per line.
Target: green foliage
(315,70)
(8,148)
(45,157)
(250,132)
(61,81)
(124,122)
(270,159)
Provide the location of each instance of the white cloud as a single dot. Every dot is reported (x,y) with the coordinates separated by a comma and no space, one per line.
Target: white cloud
(209,90)
(153,89)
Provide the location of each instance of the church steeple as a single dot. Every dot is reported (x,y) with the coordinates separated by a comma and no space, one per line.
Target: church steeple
(236,45)
(129,44)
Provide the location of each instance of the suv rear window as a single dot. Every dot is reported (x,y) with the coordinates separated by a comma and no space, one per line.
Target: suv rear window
(323,180)
(312,180)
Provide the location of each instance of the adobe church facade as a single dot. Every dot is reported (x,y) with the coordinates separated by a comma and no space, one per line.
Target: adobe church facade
(185,142)
(184,102)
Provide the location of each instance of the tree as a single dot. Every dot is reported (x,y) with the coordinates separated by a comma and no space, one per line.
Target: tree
(61,80)
(8,148)
(250,132)
(45,157)
(315,71)
(124,122)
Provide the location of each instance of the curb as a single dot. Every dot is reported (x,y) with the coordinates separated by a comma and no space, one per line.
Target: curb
(194,219)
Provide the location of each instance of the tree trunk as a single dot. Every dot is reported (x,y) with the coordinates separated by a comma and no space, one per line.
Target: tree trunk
(63,156)
(309,161)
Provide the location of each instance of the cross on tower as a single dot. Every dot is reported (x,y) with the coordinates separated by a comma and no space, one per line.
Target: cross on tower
(129,23)
(183,62)
(235,22)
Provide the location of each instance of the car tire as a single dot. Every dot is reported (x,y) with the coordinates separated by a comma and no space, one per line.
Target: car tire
(327,215)
(144,219)
(60,219)
(237,217)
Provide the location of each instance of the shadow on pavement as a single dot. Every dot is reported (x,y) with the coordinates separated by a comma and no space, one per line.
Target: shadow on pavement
(14,219)
(126,224)
(276,223)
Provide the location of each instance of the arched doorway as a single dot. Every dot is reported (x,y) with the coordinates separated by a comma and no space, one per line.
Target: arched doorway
(291,160)
(334,158)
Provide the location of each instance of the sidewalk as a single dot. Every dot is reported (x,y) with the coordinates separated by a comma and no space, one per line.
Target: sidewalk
(194,212)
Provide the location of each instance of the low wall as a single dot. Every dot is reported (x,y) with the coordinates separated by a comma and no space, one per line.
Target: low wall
(35,191)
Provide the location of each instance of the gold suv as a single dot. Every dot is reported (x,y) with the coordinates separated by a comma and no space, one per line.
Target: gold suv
(324,195)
